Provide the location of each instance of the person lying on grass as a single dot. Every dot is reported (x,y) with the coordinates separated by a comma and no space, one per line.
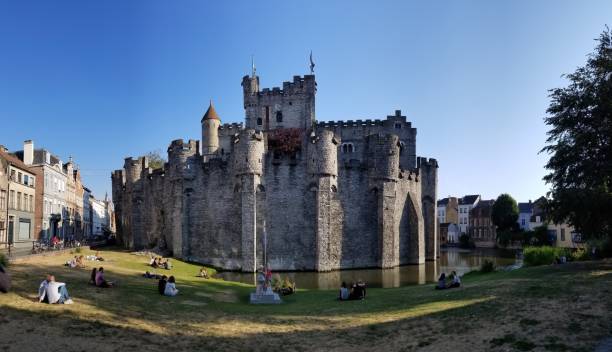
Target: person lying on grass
(101,281)
(171,289)
(53,292)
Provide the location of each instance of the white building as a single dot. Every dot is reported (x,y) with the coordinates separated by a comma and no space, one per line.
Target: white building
(466,204)
(99,217)
(525,213)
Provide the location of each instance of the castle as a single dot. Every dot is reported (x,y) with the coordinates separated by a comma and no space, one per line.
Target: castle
(316,195)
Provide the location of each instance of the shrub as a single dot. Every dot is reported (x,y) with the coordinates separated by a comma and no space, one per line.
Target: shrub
(77,250)
(544,255)
(487,266)
(580,254)
(3,260)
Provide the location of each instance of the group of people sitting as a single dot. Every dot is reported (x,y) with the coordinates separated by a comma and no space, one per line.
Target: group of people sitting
(159,262)
(97,278)
(53,292)
(167,286)
(454,281)
(76,262)
(357,291)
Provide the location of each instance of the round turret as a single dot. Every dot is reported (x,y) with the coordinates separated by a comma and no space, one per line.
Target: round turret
(210,131)
(249,153)
(383,156)
(323,154)
(133,170)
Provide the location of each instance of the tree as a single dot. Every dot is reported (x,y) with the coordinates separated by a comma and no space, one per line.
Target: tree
(505,213)
(580,145)
(156,160)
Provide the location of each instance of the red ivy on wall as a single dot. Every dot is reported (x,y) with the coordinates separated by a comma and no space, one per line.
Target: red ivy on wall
(286,140)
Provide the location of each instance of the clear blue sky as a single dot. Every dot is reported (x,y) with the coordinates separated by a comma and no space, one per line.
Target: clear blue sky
(108,79)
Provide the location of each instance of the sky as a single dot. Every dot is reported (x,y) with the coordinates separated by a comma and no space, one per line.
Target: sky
(104,80)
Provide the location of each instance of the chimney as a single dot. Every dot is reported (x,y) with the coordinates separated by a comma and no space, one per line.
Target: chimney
(28,152)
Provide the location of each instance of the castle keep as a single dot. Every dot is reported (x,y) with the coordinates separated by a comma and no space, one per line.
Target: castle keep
(317,195)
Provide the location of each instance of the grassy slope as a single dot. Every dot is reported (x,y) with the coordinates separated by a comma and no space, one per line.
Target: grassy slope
(543,308)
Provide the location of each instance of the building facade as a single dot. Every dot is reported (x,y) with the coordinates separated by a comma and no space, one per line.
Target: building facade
(448,210)
(311,195)
(482,230)
(21,193)
(525,213)
(564,235)
(466,204)
(4,172)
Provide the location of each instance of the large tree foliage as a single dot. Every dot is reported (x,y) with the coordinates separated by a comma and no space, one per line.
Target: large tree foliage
(156,160)
(505,213)
(579,144)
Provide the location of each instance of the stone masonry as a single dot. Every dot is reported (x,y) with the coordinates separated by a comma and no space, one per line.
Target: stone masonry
(311,195)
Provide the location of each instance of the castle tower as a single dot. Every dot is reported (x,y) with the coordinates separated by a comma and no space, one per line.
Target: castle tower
(178,171)
(428,170)
(293,106)
(323,165)
(248,167)
(383,170)
(210,131)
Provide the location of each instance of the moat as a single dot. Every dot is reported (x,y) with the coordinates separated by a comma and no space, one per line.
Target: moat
(460,260)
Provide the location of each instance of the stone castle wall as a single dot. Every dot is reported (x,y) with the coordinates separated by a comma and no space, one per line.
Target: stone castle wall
(320,207)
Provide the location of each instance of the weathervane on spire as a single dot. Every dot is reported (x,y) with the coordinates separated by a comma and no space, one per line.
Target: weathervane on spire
(253,69)
(312,64)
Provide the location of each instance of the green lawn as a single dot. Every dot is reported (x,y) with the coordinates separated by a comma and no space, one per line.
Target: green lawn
(556,308)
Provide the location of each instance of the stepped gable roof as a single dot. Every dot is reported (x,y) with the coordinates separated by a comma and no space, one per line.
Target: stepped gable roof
(211,114)
(469,199)
(525,207)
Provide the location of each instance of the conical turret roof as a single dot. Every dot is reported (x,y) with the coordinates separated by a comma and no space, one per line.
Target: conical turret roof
(211,114)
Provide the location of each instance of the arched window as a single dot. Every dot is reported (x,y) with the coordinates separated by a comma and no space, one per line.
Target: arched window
(279,116)
(402,147)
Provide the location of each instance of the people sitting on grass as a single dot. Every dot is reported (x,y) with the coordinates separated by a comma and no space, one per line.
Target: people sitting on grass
(170,289)
(154,262)
(53,292)
(161,285)
(204,273)
(167,264)
(72,263)
(80,261)
(358,290)
(344,293)
(92,277)
(455,280)
(441,282)
(5,280)
(284,286)
(101,280)
(98,257)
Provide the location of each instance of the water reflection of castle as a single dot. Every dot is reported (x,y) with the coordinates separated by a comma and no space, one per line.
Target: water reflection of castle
(461,261)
